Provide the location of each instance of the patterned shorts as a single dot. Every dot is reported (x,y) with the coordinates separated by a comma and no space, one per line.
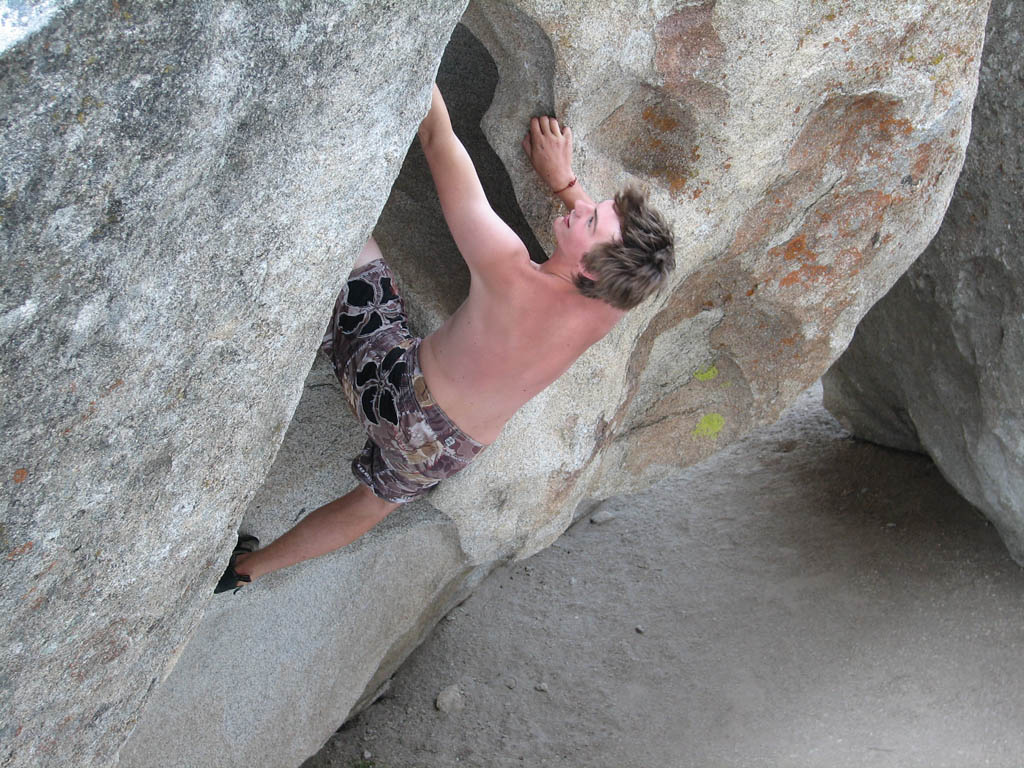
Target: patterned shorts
(412,444)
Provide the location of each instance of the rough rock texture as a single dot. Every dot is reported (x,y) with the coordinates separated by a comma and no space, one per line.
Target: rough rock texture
(938,364)
(183,189)
(803,173)
(323,637)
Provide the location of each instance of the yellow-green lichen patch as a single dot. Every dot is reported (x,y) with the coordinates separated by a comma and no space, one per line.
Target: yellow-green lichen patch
(88,105)
(709,425)
(707,373)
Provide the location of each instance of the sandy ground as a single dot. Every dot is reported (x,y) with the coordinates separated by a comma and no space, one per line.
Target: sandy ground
(800,599)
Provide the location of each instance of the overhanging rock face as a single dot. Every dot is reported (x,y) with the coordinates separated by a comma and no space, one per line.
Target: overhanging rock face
(938,364)
(806,155)
(183,190)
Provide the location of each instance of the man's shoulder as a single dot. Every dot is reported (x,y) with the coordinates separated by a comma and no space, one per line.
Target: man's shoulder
(506,262)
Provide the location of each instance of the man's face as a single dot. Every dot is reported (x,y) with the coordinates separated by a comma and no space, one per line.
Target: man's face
(587,226)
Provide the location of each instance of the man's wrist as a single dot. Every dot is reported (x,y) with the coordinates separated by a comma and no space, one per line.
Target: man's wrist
(566,186)
(574,194)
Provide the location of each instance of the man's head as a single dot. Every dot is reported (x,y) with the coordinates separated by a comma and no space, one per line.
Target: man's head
(634,262)
(620,250)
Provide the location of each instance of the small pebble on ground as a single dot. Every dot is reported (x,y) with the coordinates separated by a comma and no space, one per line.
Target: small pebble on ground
(450,699)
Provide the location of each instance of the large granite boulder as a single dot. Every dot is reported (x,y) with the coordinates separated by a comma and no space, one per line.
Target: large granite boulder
(184,187)
(806,155)
(273,671)
(803,171)
(938,364)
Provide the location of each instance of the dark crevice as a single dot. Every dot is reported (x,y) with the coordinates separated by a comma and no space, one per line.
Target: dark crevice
(411,229)
(468,77)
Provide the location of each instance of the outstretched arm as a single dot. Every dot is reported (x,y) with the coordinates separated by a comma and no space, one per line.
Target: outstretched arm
(487,244)
(549,147)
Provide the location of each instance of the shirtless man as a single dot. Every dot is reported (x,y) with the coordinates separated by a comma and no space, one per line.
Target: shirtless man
(429,407)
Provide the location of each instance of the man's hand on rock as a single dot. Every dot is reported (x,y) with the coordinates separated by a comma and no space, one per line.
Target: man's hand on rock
(549,147)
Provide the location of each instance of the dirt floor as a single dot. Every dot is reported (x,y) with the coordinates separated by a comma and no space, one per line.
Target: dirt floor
(800,599)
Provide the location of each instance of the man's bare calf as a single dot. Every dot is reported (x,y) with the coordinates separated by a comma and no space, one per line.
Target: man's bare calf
(326,528)
(323,530)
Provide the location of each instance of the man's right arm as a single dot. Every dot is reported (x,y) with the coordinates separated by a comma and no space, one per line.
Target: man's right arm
(487,244)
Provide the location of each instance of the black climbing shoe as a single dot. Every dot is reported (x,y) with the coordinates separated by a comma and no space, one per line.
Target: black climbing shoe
(230,579)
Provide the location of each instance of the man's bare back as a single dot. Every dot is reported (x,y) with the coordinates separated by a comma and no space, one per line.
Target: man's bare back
(501,348)
(523,324)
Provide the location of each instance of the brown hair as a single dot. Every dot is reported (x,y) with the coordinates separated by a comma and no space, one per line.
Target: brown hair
(629,270)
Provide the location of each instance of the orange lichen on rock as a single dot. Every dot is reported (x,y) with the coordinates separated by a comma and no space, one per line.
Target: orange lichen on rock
(676,181)
(931,154)
(809,271)
(807,274)
(652,136)
(686,40)
(896,125)
(688,51)
(843,139)
(19,551)
(659,121)
(847,129)
(797,249)
(861,212)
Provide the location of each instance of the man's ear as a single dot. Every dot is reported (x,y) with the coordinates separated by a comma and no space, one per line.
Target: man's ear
(583,268)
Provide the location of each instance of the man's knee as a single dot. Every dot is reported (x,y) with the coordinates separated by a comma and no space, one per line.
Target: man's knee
(380,506)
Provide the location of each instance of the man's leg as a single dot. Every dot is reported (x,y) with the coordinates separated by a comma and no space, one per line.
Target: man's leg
(323,530)
(331,526)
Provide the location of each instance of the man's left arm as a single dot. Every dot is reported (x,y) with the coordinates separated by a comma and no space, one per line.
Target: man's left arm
(487,244)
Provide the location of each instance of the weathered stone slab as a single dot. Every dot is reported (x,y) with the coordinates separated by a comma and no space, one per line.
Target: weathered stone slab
(184,187)
(938,364)
(322,637)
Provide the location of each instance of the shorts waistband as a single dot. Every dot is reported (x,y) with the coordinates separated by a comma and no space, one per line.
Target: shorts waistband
(426,399)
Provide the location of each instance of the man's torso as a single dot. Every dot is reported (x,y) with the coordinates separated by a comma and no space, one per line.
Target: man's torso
(506,343)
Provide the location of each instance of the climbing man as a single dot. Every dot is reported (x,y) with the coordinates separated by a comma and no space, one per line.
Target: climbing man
(430,406)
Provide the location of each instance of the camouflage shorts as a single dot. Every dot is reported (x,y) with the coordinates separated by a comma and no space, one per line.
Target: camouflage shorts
(412,444)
